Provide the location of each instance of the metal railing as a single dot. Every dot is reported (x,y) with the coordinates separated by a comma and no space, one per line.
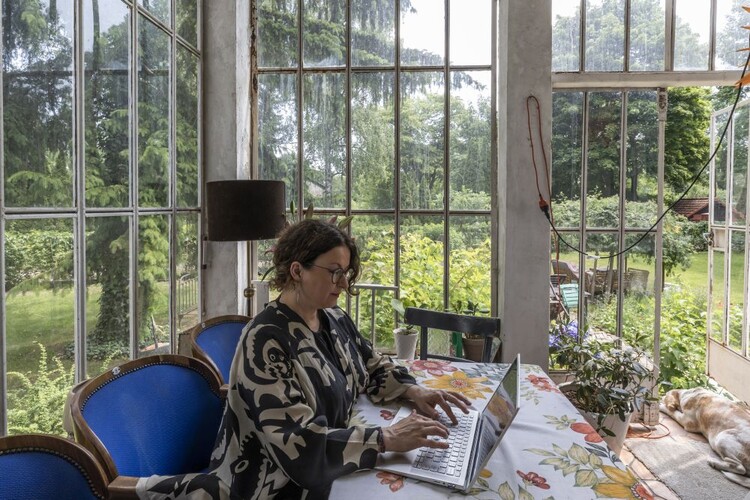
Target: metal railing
(371,289)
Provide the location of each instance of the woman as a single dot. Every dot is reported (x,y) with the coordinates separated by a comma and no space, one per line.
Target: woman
(297,372)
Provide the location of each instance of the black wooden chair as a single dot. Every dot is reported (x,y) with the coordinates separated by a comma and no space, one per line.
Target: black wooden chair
(487,327)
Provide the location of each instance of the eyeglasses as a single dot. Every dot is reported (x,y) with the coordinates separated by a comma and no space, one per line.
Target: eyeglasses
(337,274)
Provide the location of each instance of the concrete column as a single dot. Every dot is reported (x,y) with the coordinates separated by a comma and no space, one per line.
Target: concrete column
(226,119)
(524,69)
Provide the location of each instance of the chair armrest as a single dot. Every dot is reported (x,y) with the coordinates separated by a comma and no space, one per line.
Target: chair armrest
(123,487)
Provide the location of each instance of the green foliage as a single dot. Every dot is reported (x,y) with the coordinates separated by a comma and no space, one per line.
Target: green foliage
(679,235)
(36,400)
(34,254)
(683,332)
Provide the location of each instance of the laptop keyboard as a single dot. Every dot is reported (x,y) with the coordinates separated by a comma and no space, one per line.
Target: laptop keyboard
(448,461)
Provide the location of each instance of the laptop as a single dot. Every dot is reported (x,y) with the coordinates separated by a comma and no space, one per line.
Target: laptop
(472,441)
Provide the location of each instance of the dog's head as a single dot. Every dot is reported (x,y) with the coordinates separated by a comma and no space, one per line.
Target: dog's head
(671,400)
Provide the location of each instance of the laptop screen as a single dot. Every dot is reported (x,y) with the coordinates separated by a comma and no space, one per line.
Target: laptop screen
(498,414)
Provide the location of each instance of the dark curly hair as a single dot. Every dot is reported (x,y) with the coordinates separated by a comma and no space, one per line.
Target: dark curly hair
(304,242)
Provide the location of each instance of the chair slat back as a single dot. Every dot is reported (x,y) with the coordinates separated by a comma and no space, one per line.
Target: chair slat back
(215,341)
(157,415)
(569,295)
(36,466)
(487,327)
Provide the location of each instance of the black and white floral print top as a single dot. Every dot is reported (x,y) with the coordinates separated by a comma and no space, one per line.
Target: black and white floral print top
(285,431)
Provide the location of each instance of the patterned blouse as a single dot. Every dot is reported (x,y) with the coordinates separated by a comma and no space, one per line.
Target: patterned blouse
(285,430)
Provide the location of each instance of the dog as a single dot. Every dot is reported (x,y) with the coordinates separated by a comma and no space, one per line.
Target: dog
(726,425)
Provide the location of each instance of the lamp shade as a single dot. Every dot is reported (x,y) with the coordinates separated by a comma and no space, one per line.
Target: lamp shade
(244,210)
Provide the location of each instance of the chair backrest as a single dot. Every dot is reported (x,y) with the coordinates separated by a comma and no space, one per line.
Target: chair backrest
(215,341)
(35,466)
(155,415)
(569,295)
(487,327)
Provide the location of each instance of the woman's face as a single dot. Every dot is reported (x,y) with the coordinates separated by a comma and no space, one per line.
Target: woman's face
(318,288)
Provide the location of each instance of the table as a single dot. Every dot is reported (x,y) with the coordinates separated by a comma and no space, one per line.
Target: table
(549,451)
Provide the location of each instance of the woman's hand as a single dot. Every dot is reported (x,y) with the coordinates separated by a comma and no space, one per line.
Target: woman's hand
(412,432)
(426,399)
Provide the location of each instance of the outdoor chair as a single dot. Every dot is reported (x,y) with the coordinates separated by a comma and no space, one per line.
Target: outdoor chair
(569,296)
(155,415)
(214,341)
(36,466)
(486,327)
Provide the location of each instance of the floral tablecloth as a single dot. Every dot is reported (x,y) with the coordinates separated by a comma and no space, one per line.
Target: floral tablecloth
(549,451)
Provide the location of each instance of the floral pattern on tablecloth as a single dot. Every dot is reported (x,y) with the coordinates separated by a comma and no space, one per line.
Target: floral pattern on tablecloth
(550,452)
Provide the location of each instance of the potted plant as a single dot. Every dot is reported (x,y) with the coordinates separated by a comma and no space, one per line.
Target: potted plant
(405,336)
(609,383)
(471,346)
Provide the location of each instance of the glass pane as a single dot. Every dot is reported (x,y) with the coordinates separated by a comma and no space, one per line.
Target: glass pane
(37,103)
(324,136)
(470,141)
(188,236)
(152,293)
(739,166)
(373,32)
(153,115)
(642,159)
(730,36)
(601,281)
(605,35)
(187,129)
(422,33)
(277,33)
(160,8)
(647,36)
(470,32)
(720,170)
(106,83)
(566,35)
(470,261)
(373,163)
(324,33)
(107,293)
(564,257)
(603,181)
(567,136)
(717,297)
(736,289)
(692,33)
(40,312)
(375,238)
(421,250)
(186,12)
(422,139)
(277,129)
(639,305)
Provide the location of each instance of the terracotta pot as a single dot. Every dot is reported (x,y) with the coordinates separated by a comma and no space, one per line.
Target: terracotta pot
(406,343)
(473,348)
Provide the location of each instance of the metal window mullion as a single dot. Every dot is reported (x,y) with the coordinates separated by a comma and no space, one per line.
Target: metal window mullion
(669,34)
(626,45)
(494,214)
(712,38)
(133,243)
(582,41)
(79,228)
(200,160)
(172,180)
(582,312)
(711,223)
(397,150)
(662,107)
(300,114)
(727,234)
(3,345)
(621,209)
(446,156)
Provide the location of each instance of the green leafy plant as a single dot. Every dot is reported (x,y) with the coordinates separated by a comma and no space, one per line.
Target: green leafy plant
(608,379)
(400,308)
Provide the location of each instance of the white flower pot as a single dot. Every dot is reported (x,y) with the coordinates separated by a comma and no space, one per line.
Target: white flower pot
(406,343)
(614,424)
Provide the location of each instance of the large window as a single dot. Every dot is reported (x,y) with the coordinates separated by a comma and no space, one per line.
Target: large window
(381,110)
(100,193)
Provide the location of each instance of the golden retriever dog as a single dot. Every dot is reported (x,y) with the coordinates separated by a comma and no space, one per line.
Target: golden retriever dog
(726,425)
